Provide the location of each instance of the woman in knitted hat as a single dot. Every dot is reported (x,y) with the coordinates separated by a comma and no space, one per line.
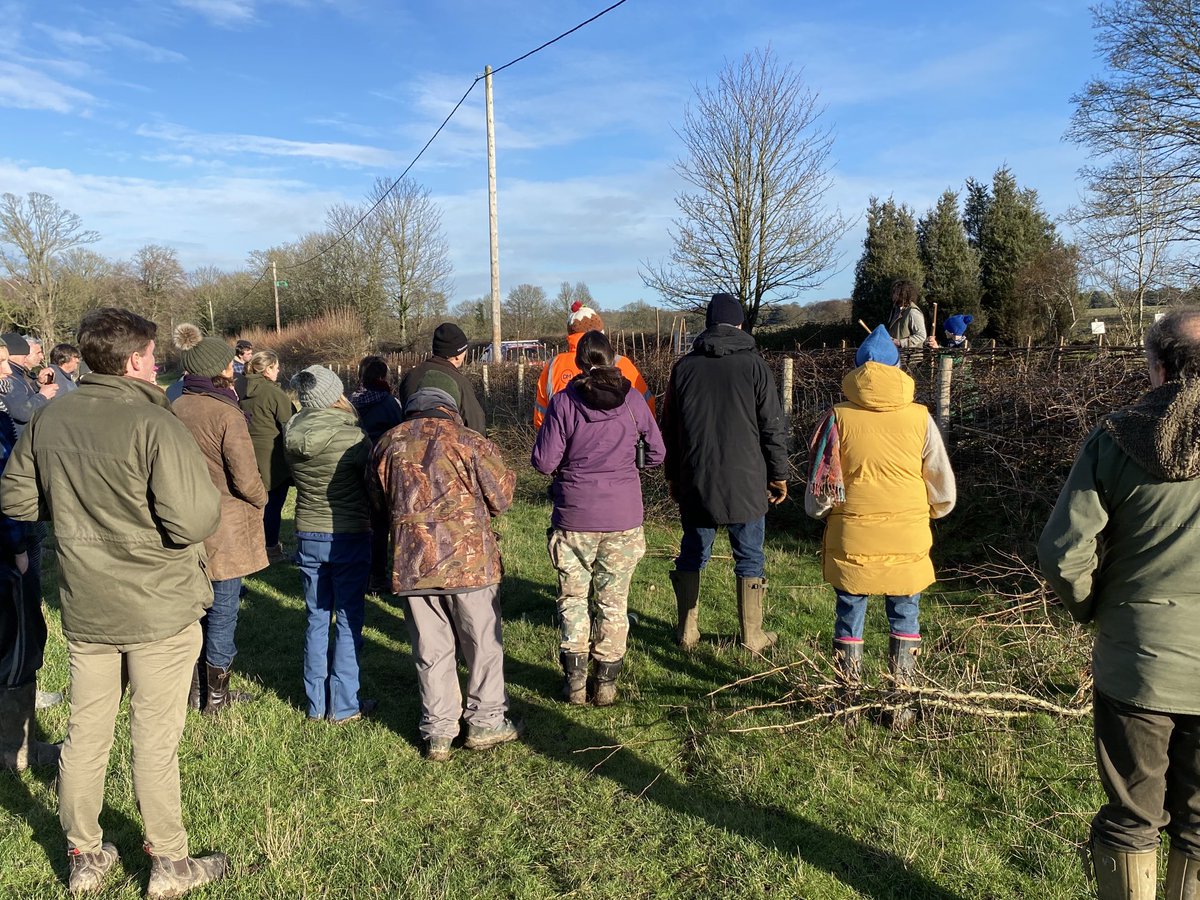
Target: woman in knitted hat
(209,408)
(327,453)
(268,409)
(589,444)
(955,331)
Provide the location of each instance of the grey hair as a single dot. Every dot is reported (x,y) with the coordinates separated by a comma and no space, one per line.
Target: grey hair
(1174,342)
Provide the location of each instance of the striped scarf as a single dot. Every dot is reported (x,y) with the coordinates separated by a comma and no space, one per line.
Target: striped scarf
(825,461)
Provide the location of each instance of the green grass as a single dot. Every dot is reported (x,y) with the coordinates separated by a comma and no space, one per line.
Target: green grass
(955,808)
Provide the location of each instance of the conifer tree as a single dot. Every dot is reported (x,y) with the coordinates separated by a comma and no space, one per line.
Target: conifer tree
(889,255)
(951,263)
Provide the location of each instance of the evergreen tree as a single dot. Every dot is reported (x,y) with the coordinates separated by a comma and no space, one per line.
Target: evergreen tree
(889,255)
(951,263)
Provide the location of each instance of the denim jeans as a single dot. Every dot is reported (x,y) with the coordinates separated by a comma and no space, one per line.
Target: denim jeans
(334,569)
(745,539)
(220,623)
(902,612)
(273,513)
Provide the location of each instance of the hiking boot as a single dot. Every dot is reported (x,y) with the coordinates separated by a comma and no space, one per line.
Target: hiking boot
(486,738)
(86,871)
(1183,877)
(902,663)
(750,594)
(606,682)
(219,694)
(1124,876)
(276,554)
(437,749)
(175,877)
(575,667)
(687,599)
(365,708)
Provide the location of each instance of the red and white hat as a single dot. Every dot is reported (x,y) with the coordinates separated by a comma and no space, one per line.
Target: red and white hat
(583,319)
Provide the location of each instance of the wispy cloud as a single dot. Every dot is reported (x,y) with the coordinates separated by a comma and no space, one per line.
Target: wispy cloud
(108,41)
(23,87)
(232,144)
(225,13)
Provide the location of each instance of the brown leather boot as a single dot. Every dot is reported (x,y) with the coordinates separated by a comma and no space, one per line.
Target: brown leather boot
(575,668)
(86,871)
(219,694)
(687,599)
(750,594)
(175,877)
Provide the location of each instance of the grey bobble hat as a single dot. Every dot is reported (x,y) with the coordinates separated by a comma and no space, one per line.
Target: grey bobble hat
(317,387)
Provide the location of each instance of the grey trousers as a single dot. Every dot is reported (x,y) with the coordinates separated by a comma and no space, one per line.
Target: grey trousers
(434,623)
(160,673)
(1150,768)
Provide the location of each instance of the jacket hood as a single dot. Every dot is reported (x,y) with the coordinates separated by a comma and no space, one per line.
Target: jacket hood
(134,389)
(310,431)
(722,340)
(596,398)
(1161,431)
(878,387)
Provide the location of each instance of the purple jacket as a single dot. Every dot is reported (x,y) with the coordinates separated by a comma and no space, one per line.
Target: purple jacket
(587,443)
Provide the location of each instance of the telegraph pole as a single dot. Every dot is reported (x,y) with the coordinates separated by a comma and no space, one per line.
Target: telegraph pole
(492,226)
(275,286)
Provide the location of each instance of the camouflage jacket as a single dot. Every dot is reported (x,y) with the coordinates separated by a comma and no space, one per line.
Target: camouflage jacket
(441,483)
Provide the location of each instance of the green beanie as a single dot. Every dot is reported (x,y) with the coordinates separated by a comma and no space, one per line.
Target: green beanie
(200,355)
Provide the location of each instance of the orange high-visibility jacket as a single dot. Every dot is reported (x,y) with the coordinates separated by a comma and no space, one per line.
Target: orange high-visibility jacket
(559,372)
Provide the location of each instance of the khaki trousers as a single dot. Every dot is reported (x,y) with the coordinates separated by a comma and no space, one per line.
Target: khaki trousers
(159,674)
(434,622)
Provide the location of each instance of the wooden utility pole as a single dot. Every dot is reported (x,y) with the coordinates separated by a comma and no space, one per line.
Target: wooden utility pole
(492,226)
(275,287)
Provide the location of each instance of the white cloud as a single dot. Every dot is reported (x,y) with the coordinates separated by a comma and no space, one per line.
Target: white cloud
(232,144)
(110,41)
(26,88)
(222,12)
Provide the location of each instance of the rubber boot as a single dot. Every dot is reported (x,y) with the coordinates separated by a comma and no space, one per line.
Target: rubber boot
(175,877)
(1124,876)
(687,598)
(902,663)
(18,748)
(219,694)
(847,662)
(750,595)
(575,667)
(606,682)
(1183,877)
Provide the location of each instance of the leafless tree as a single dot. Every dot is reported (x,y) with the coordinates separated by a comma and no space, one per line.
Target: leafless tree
(525,308)
(35,232)
(754,221)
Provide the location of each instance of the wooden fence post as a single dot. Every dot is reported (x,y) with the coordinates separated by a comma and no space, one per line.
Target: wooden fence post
(487,391)
(945,368)
(789,367)
(520,387)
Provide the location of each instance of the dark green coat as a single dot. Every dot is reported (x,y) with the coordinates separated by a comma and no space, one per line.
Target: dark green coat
(269,409)
(327,454)
(131,501)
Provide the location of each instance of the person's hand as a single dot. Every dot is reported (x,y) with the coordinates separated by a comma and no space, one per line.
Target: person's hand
(21,561)
(48,390)
(45,376)
(777,491)
(896,342)
(932,343)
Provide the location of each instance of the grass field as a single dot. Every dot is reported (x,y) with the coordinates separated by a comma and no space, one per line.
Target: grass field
(958,807)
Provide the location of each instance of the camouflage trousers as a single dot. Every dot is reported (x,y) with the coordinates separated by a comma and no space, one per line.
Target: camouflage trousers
(601,563)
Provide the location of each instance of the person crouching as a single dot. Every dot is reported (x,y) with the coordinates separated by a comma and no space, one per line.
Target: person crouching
(440,483)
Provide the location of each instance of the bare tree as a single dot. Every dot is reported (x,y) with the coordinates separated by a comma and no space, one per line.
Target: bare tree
(568,294)
(526,308)
(754,221)
(161,282)
(34,234)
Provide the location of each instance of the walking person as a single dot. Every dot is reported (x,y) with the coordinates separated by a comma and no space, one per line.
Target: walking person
(131,502)
(726,462)
(589,441)
(1122,551)
(268,409)
(441,483)
(327,454)
(209,409)
(878,472)
(448,356)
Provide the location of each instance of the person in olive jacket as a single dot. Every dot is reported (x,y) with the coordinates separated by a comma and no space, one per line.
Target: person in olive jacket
(327,453)
(722,424)
(132,502)
(449,353)
(1122,550)
(268,409)
(209,408)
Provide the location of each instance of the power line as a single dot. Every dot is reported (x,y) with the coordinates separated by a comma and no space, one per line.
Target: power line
(445,122)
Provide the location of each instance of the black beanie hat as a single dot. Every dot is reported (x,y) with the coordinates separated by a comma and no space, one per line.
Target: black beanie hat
(724,309)
(449,340)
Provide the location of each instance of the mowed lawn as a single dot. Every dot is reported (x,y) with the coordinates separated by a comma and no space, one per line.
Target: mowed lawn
(655,797)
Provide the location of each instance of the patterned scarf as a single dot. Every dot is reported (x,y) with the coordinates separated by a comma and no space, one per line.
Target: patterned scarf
(825,461)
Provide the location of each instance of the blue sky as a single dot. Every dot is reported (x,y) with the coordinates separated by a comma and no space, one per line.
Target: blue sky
(222,126)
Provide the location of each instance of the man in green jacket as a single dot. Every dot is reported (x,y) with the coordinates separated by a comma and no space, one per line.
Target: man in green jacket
(131,501)
(1122,550)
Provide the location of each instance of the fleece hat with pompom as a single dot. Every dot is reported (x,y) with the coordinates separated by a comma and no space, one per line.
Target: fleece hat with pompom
(957,325)
(317,387)
(583,319)
(200,355)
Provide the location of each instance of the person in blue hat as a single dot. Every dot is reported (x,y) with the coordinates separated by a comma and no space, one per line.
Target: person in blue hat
(955,333)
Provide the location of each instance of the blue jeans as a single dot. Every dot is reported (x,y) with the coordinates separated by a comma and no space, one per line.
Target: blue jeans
(745,539)
(334,569)
(902,612)
(220,623)
(273,513)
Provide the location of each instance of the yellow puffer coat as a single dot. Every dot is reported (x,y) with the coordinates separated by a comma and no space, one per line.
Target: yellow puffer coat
(878,540)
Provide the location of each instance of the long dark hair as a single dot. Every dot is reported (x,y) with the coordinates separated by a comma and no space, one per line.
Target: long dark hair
(597,360)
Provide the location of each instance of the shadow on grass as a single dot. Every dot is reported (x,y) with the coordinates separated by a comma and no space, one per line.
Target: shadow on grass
(870,870)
